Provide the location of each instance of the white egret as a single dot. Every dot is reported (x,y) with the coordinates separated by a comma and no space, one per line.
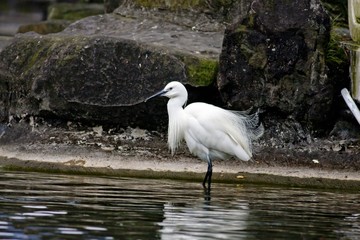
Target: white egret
(210,132)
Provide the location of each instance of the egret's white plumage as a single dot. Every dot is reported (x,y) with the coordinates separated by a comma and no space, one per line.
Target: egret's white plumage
(210,132)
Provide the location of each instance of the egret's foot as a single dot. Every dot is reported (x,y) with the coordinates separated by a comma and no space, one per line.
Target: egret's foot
(208,187)
(207,194)
(208,176)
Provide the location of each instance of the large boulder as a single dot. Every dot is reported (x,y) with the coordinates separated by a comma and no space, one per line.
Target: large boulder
(101,68)
(274,58)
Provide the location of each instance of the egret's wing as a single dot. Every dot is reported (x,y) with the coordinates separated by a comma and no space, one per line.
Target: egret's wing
(216,120)
(204,140)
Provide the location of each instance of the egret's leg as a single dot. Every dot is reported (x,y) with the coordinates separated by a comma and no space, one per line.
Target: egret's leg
(208,174)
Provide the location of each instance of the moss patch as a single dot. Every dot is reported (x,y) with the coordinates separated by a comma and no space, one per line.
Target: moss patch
(335,53)
(201,71)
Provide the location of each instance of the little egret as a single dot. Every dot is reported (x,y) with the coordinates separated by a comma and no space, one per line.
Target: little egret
(210,132)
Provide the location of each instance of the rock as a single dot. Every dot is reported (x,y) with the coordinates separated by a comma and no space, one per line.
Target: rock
(111,5)
(45,27)
(72,11)
(344,129)
(101,68)
(274,58)
(4,41)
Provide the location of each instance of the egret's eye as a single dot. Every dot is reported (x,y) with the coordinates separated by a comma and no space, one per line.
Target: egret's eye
(170,89)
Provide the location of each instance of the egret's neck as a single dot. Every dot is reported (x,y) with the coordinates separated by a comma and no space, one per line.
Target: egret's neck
(177,122)
(175,106)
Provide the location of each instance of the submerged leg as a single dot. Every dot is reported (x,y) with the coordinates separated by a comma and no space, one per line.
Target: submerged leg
(208,175)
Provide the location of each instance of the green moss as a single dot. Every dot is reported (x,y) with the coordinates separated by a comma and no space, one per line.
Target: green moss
(241,28)
(201,71)
(335,53)
(34,55)
(338,11)
(34,58)
(258,58)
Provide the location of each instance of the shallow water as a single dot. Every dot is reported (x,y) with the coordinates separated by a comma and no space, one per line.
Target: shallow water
(44,206)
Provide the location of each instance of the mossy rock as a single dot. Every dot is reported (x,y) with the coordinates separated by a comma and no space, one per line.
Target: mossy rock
(101,69)
(45,27)
(279,65)
(74,11)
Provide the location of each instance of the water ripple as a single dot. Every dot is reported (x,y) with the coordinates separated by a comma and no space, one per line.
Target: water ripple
(37,206)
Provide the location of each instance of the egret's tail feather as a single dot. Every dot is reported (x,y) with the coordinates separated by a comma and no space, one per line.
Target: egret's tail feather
(255,129)
(257,132)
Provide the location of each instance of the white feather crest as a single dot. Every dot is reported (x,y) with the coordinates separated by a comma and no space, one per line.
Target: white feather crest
(175,132)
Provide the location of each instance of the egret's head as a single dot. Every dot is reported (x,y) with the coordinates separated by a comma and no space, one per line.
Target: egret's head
(172,90)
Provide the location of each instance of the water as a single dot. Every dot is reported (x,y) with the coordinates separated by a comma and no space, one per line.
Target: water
(49,206)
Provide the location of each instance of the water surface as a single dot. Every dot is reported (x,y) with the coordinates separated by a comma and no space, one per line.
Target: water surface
(49,206)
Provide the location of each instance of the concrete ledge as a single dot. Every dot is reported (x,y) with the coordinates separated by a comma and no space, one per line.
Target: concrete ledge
(83,160)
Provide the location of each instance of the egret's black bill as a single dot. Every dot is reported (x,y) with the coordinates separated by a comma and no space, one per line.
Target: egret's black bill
(155,95)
